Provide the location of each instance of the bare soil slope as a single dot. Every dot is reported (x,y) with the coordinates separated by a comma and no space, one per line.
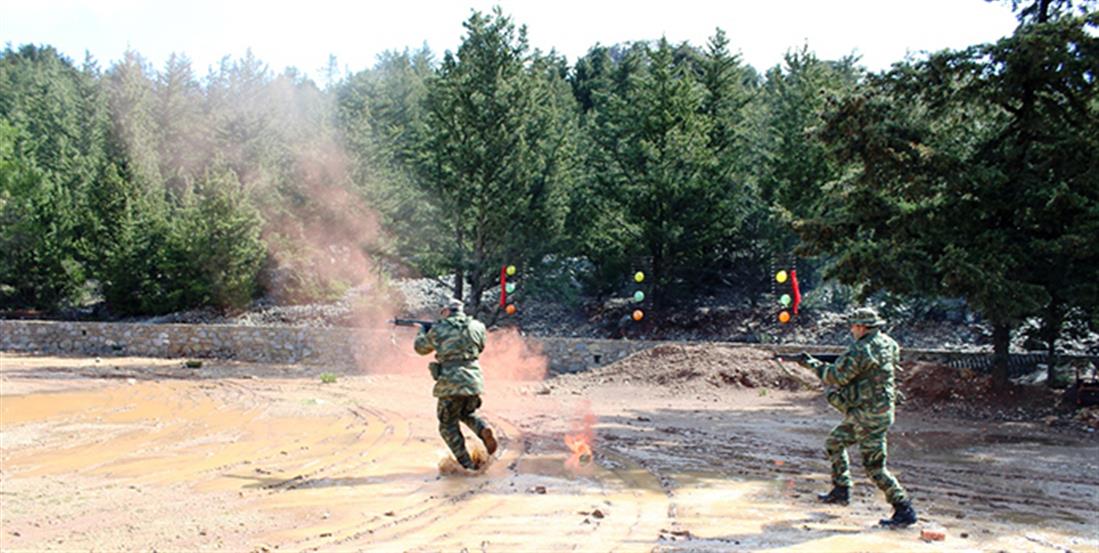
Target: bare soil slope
(708,365)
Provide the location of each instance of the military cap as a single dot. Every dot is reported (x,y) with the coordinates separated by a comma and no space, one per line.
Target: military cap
(866,316)
(453,304)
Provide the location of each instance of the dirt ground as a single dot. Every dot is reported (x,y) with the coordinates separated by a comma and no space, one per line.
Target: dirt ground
(146,454)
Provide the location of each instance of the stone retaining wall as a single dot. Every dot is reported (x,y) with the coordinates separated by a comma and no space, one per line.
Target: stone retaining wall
(247,343)
(335,347)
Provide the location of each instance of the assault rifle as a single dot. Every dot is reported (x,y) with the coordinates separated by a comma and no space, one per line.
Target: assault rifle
(798,357)
(426,325)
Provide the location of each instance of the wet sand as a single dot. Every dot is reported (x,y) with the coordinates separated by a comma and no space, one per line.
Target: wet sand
(143,454)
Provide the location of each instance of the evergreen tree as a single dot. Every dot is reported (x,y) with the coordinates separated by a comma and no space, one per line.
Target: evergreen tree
(39,266)
(55,148)
(660,197)
(975,177)
(183,141)
(731,103)
(134,134)
(794,165)
(496,156)
(378,114)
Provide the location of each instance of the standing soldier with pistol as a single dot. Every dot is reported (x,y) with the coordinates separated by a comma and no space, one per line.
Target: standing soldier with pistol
(457,340)
(860,384)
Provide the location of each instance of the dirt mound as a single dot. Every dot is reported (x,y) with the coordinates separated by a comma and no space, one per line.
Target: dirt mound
(711,364)
(968,394)
(924,383)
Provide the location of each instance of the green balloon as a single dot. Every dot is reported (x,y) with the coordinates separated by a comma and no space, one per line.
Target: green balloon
(510,287)
(639,296)
(785,299)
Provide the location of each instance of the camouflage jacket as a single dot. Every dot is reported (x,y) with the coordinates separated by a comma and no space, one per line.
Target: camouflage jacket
(863,377)
(457,342)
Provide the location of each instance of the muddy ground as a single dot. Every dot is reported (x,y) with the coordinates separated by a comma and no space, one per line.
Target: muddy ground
(145,454)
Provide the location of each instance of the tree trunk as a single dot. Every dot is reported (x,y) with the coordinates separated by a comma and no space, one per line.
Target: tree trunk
(1001,342)
(476,290)
(1043,11)
(459,282)
(1051,329)
(657,276)
(459,265)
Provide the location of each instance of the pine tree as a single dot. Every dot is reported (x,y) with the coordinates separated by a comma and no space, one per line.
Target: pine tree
(56,146)
(662,199)
(183,143)
(134,134)
(975,177)
(495,154)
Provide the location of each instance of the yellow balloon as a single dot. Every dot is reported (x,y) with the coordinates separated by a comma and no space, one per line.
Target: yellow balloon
(780,277)
(639,276)
(511,270)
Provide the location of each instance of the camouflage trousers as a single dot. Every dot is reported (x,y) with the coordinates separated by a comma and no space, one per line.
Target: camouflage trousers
(869,432)
(459,409)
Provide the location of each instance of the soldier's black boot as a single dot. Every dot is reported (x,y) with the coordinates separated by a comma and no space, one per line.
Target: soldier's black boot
(840,495)
(467,463)
(903,515)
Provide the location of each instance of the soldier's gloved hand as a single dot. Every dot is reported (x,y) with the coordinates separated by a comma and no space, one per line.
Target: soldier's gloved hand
(804,358)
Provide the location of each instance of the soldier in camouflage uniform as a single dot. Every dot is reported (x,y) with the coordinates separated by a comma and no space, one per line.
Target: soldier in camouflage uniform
(457,340)
(860,384)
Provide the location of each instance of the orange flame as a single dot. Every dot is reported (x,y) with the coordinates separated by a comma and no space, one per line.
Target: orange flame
(580,446)
(579,441)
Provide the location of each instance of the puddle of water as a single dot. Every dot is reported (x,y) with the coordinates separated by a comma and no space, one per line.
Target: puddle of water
(943,440)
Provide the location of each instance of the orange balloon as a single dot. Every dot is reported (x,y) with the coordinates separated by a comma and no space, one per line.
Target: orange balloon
(784,317)
(638,314)
(511,309)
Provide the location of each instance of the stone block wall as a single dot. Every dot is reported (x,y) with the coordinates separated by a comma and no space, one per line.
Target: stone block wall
(569,355)
(246,343)
(335,347)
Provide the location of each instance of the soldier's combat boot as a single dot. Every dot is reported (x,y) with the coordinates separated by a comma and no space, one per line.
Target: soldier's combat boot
(489,439)
(467,463)
(903,515)
(840,495)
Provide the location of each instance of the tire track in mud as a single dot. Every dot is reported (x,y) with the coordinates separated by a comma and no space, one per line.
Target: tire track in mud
(146,407)
(376,431)
(239,414)
(335,476)
(417,516)
(996,493)
(450,510)
(628,497)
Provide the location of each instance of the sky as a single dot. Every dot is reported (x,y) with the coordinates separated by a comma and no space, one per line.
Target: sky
(305,34)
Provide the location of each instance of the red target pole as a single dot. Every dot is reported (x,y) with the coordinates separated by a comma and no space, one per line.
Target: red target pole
(796,289)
